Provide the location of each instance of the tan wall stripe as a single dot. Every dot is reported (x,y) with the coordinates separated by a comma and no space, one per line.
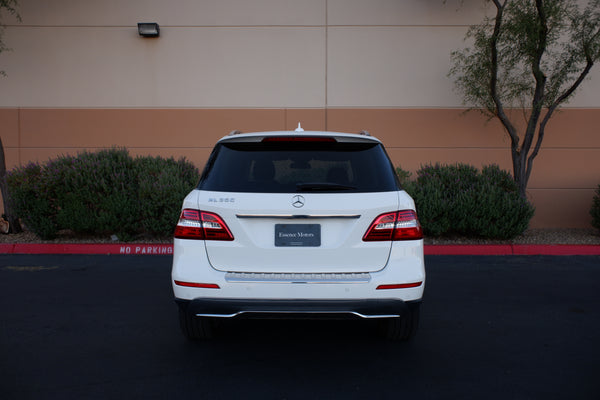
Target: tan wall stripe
(562,185)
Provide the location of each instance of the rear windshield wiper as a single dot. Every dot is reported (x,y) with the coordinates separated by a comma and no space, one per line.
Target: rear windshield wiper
(315,187)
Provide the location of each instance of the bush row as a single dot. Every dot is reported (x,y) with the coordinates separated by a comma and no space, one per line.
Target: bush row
(100,193)
(460,199)
(109,192)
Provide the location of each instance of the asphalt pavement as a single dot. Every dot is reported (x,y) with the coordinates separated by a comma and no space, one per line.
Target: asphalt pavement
(492,327)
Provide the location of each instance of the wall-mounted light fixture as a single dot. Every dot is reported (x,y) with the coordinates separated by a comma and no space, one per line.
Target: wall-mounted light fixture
(148,29)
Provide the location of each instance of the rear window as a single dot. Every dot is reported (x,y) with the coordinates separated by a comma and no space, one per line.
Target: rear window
(289,167)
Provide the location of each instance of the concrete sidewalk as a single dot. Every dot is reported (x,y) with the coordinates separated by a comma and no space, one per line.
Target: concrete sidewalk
(166,249)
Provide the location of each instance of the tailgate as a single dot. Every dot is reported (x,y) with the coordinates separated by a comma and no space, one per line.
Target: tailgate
(299,233)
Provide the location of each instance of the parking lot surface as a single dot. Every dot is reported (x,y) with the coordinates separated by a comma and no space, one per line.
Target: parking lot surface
(493,327)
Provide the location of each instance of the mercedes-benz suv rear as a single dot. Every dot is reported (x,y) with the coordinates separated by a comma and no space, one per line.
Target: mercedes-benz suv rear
(286,224)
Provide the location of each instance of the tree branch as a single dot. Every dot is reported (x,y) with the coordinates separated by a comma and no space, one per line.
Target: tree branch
(574,86)
(553,108)
(510,129)
(540,78)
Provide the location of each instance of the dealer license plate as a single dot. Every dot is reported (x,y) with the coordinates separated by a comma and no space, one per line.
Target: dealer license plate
(297,235)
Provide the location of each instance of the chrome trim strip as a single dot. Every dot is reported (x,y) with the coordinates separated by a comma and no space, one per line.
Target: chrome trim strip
(299,312)
(357,277)
(375,316)
(220,315)
(300,216)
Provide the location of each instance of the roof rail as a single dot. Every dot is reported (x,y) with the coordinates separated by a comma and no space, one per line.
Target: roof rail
(365,133)
(234,132)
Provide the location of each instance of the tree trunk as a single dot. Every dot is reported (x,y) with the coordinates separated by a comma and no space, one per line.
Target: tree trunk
(520,171)
(522,178)
(14,225)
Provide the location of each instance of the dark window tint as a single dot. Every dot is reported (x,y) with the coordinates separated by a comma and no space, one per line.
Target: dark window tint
(287,167)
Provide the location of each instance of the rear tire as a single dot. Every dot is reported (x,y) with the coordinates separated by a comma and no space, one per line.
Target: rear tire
(404,328)
(196,328)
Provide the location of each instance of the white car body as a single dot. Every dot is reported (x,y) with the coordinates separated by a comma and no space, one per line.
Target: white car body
(330,270)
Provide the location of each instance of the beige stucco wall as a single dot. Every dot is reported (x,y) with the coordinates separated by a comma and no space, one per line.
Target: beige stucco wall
(80,77)
(240,53)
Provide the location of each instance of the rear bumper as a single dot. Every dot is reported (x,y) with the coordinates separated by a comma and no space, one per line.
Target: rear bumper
(229,308)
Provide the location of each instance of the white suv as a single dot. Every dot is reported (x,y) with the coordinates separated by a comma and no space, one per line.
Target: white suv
(310,224)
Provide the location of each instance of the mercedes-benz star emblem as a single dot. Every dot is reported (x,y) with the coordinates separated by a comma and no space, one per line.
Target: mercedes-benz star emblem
(298,201)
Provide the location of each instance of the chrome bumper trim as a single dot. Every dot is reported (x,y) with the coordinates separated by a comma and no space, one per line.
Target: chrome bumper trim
(357,314)
(359,277)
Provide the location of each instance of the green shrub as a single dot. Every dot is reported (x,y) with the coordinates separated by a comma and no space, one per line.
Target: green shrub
(101,193)
(31,199)
(460,199)
(403,175)
(433,207)
(96,192)
(163,183)
(595,211)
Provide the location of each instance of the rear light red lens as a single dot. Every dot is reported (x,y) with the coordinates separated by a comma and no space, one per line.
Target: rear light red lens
(407,226)
(198,285)
(193,215)
(381,228)
(299,139)
(397,225)
(201,225)
(400,286)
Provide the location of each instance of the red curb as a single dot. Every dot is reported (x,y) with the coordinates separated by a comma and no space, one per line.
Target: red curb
(557,249)
(474,250)
(516,249)
(130,248)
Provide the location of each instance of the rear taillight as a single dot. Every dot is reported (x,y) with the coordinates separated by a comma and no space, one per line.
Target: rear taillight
(397,225)
(196,224)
